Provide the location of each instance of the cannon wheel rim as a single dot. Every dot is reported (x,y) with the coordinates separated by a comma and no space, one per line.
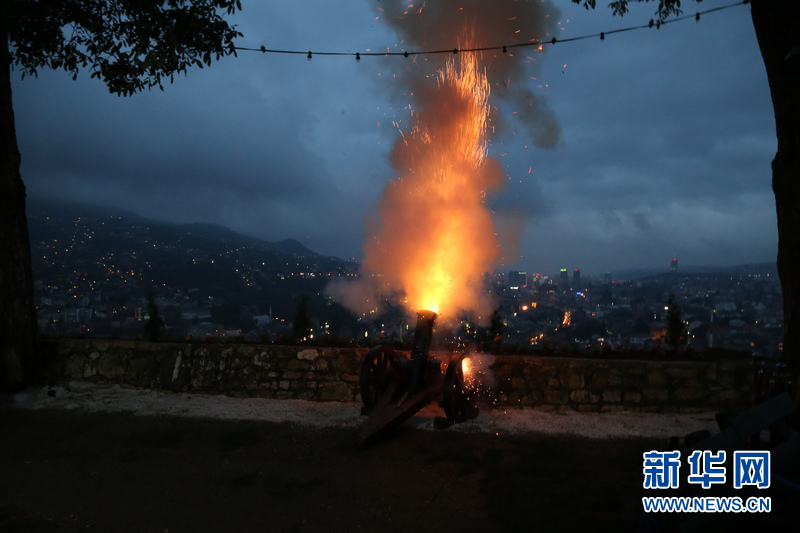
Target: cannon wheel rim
(454,391)
(374,374)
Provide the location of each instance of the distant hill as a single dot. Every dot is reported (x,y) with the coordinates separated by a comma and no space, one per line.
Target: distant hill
(82,251)
(745,270)
(48,219)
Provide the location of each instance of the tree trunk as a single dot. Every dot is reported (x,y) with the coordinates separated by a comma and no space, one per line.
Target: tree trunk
(777,25)
(18,337)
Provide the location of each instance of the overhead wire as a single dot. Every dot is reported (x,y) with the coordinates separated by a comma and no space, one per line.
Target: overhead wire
(504,48)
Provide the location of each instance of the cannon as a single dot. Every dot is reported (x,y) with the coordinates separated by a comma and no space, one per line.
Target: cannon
(394,386)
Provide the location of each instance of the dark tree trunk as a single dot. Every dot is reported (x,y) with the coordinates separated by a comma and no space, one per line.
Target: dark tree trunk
(18,336)
(777,25)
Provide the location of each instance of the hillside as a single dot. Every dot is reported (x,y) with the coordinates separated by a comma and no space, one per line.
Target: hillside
(106,262)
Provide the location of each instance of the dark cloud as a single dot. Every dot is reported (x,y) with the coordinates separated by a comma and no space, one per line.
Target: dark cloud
(665,144)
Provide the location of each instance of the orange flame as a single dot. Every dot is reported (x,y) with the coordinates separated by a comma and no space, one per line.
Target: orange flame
(469,371)
(436,238)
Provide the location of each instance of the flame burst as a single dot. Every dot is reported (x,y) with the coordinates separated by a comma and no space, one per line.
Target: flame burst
(435,238)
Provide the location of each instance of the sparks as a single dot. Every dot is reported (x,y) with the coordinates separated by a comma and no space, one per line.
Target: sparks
(439,235)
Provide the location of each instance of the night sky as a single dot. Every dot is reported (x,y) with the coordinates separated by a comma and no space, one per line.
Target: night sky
(661,149)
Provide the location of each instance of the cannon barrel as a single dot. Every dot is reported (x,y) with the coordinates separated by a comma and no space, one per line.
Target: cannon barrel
(420,348)
(394,388)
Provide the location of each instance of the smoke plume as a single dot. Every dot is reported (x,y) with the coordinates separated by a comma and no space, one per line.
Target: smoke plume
(433,237)
(445,24)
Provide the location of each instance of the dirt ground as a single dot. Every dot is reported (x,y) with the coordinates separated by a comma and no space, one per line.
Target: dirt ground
(72,470)
(66,471)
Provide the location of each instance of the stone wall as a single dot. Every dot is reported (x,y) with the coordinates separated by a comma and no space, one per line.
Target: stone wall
(615,385)
(332,374)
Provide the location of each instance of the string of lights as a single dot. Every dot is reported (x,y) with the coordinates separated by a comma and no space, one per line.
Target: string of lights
(504,48)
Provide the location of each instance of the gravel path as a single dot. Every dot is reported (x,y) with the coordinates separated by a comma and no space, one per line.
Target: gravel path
(88,397)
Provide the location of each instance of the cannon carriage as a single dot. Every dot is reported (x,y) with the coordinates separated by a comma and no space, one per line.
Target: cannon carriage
(395,386)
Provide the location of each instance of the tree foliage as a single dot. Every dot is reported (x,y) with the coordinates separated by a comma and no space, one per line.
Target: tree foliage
(301,325)
(676,329)
(666,8)
(128,44)
(154,323)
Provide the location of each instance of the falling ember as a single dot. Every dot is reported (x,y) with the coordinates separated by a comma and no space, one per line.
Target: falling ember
(436,238)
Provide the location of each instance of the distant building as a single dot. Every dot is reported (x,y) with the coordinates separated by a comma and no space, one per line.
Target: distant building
(564,278)
(262,320)
(674,266)
(516,279)
(576,278)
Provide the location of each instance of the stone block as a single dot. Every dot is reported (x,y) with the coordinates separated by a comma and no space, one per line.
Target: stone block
(309,354)
(518,384)
(730,395)
(304,395)
(74,366)
(727,379)
(101,345)
(555,397)
(658,395)
(691,383)
(633,382)
(631,397)
(111,366)
(599,379)
(681,372)
(261,359)
(655,378)
(614,378)
(612,396)
(584,396)
(572,380)
(532,398)
(141,366)
(689,394)
(297,364)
